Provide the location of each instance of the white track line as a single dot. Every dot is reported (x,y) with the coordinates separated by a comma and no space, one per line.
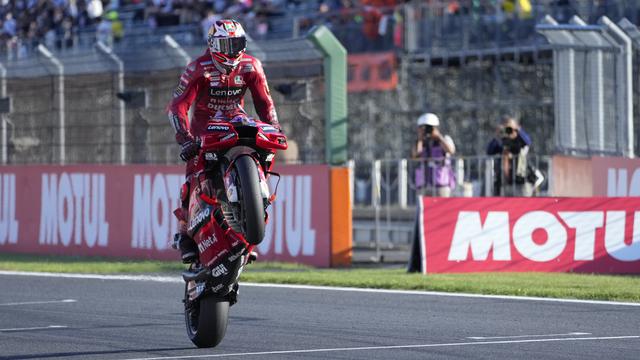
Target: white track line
(40,302)
(525,336)
(390,347)
(34,328)
(176,279)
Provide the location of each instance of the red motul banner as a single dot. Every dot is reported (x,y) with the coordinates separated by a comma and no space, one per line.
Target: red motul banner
(126,211)
(616,176)
(599,235)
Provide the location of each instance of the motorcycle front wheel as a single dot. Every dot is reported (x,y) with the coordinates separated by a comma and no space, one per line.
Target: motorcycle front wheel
(207,321)
(250,198)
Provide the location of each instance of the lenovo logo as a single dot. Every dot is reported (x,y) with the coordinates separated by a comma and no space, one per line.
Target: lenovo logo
(226,92)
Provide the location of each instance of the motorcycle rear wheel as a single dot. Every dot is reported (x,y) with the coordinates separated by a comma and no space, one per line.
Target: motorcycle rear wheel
(207,321)
(250,197)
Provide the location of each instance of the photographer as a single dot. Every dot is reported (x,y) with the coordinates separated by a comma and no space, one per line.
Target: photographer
(512,143)
(434,174)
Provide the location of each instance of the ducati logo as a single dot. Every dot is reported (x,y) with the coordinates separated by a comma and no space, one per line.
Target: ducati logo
(238,80)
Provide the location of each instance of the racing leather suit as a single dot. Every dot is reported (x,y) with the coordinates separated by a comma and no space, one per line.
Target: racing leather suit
(218,94)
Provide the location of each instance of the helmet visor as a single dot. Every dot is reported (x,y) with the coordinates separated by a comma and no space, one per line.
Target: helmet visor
(230,46)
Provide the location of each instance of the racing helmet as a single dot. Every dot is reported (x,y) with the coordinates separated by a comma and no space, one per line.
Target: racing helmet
(227,42)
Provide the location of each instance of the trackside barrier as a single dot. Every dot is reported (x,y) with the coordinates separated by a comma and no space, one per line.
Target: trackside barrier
(592,235)
(126,211)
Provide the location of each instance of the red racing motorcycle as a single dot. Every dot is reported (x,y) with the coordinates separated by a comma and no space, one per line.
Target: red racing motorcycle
(228,198)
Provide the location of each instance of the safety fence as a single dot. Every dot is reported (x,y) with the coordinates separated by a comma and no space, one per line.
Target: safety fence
(106,105)
(593,85)
(385,193)
(396,183)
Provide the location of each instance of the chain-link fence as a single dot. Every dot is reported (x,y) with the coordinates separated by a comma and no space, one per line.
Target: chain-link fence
(593,86)
(66,106)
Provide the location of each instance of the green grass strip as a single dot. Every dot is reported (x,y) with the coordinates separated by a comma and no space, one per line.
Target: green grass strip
(558,285)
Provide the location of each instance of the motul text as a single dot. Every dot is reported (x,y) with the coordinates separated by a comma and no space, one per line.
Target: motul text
(544,234)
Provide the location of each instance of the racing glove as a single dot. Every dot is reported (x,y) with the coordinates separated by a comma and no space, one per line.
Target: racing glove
(189,150)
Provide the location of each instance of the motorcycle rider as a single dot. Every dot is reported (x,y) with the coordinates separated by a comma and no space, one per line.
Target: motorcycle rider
(216,82)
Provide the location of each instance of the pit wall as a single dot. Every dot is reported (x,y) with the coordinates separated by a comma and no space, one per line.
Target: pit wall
(126,212)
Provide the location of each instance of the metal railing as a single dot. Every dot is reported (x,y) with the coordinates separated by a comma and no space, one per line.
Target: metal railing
(392,183)
(385,192)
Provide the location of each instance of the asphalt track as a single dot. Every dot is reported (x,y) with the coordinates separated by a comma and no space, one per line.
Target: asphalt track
(83,318)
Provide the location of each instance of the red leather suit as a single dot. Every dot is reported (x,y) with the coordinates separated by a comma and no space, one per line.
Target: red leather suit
(218,94)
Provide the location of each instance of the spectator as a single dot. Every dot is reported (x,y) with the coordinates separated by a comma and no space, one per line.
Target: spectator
(434,175)
(117,29)
(512,143)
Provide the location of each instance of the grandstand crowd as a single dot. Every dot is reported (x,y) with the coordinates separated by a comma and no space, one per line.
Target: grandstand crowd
(57,23)
(364,25)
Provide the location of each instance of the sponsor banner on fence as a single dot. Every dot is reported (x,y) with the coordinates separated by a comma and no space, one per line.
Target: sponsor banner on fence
(369,72)
(127,211)
(616,176)
(600,235)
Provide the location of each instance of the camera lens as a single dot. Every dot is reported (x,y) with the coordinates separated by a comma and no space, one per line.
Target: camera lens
(508,130)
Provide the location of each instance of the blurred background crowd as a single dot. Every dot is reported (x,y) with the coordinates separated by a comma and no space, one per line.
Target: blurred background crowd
(366,25)
(60,23)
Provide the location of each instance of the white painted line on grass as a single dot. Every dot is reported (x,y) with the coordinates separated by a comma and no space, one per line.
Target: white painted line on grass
(34,328)
(176,279)
(389,347)
(526,336)
(40,302)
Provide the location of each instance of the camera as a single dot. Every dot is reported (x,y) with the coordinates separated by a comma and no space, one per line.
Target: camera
(428,129)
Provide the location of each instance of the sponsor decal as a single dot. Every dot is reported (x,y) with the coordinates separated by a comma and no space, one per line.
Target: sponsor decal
(227,137)
(179,90)
(218,128)
(235,256)
(246,68)
(73,210)
(8,224)
(154,198)
(199,219)
(219,271)
(225,92)
(268,129)
(191,67)
(570,234)
(238,80)
(206,243)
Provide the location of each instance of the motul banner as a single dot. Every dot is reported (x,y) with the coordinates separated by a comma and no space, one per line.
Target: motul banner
(127,211)
(616,176)
(600,235)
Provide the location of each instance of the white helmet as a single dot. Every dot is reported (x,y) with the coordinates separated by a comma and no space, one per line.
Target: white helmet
(428,119)
(227,42)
